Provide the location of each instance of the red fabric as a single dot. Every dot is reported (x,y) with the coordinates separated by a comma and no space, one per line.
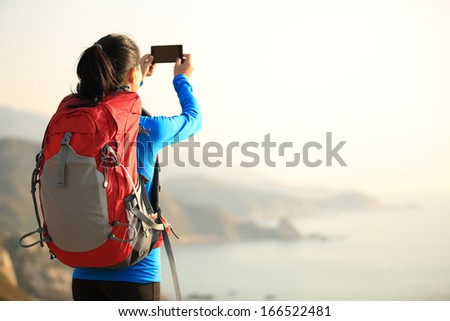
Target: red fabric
(115,121)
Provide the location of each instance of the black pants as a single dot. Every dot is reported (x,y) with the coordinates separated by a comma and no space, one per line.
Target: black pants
(90,290)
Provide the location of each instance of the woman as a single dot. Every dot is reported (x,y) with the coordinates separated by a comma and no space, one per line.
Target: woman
(110,65)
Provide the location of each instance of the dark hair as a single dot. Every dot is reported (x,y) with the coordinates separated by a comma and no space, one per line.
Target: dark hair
(104,66)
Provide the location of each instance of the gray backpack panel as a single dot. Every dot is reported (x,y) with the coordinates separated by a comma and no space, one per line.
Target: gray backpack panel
(74,212)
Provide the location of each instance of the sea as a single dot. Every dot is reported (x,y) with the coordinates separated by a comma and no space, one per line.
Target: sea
(393,254)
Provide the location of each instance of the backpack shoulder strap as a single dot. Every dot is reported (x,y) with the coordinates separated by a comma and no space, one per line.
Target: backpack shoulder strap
(156,188)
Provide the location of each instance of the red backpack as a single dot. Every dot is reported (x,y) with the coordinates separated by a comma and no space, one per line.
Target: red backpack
(94,207)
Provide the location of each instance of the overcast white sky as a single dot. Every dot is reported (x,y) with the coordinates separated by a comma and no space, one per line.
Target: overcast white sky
(374,73)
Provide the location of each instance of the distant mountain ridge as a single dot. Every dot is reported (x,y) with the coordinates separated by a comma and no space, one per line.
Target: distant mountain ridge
(245,204)
(249,204)
(22,124)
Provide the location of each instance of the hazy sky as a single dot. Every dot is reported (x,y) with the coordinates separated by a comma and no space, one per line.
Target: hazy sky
(374,73)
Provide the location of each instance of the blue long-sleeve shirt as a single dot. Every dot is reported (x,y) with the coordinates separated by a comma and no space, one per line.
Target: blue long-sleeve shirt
(158,132)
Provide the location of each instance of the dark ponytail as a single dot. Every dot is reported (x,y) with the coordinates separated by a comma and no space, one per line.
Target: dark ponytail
(103,67)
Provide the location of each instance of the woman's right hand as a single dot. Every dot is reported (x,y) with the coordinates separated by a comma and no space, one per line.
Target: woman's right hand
(183,66)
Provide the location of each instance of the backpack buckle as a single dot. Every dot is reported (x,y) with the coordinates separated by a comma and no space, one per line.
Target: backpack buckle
(63,158)
(66,139)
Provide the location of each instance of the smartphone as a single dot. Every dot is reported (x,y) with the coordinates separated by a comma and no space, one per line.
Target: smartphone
(166,53)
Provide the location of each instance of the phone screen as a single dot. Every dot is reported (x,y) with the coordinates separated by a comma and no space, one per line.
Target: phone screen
(166,53)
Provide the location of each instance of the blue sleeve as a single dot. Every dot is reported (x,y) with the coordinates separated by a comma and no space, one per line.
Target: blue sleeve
(164,130)
(161,131)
